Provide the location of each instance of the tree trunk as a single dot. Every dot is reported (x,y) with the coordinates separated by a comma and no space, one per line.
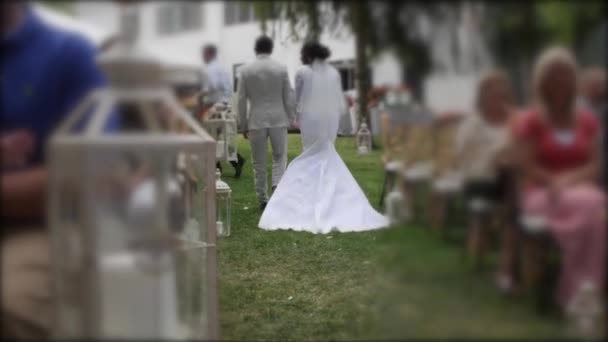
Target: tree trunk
(362,61)
(522,66)
(414,80)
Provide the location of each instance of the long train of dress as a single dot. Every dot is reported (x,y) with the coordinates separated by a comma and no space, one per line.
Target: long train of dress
(318,194)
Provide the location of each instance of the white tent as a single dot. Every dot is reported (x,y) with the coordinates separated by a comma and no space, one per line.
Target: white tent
(91,32)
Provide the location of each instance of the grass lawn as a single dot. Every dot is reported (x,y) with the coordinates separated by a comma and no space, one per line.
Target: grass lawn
(401,282)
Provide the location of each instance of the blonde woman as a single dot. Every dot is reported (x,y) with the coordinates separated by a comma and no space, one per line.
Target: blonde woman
(559,159)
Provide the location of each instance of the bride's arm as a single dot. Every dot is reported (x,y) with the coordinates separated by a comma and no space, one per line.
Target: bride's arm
(288,99)
(299,82)
(340,96)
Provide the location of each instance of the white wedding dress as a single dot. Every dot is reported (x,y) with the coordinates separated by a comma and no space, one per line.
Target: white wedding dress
(317,193)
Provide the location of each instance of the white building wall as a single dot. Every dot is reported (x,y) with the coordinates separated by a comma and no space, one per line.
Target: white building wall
(235,42)
(103,14)
(387,70)
(450,87)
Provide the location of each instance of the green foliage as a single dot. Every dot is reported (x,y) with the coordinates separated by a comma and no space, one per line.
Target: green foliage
(512,30)
(520,29)
(302,16)
(569,22)
(382,25)
(263,10)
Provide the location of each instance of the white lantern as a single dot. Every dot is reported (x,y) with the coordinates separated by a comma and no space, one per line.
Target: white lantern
(131,213)
(223,195)
(397,209)
(364,140)
(221,124)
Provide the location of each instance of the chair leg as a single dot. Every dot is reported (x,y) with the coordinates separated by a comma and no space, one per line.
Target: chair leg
(508,241)
(409,195)
(475,240)
(531,263)
(437,212)
(384,186)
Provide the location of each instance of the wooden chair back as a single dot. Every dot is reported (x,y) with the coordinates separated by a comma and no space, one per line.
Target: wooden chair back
(445,129)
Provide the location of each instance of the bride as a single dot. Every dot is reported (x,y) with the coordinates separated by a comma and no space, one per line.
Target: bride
(317,193)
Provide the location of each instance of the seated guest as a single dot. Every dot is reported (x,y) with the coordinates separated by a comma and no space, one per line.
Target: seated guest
(557,146)
(481,146)
(45,73)
(483,137)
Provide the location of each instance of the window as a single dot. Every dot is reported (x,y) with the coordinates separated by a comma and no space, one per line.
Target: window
(179,16)
(238,12)
(129,22)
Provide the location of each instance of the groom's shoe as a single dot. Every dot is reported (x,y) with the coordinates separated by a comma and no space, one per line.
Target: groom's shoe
(263,206)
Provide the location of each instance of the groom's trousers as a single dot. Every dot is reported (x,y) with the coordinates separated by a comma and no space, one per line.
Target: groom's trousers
(259,150)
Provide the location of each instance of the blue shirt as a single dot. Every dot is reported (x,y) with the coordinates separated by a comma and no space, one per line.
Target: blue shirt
(217,83)
(45,72)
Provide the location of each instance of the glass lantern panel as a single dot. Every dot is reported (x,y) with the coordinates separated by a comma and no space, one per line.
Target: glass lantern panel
(223,214)
(142,207)
(136,202)
(231,139)
(68,246)
(140,117)
(88,108)
(191,261)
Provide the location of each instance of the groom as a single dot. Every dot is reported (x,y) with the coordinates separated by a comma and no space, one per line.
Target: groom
(264,84)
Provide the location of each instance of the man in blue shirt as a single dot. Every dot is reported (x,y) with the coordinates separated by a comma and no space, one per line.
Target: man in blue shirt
(217,87)
(45,73)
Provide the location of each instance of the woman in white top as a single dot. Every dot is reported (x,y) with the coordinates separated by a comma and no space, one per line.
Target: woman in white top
(317,193)
(483,137)
(482,142)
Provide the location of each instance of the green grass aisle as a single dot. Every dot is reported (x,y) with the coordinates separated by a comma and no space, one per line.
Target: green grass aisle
(395,283)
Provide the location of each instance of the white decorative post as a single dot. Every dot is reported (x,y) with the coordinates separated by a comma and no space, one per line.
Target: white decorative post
(120,200)
(396,210)
(224,203)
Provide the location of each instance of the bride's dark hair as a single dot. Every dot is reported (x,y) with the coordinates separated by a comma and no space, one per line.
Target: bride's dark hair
(314,50)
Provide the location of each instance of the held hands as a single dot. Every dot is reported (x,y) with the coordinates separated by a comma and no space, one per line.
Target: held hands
(16,148)
(294,125)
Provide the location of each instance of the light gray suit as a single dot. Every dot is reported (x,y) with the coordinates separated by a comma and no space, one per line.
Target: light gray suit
(264,84)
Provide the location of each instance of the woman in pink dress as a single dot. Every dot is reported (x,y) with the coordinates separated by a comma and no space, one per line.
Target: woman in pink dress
(559,151)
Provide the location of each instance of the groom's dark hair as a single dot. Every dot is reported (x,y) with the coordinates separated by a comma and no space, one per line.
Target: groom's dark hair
(263,45)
